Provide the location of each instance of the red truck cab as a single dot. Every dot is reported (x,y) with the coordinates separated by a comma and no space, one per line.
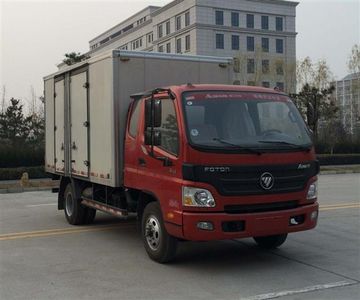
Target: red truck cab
(212,162)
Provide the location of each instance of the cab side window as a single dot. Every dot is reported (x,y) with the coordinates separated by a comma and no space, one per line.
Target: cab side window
(169,127)
(134,119)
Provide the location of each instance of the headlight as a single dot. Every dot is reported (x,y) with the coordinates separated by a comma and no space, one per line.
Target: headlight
(197,197)
(312,191)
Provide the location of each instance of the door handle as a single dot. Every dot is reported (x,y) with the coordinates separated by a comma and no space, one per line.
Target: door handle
(142,162)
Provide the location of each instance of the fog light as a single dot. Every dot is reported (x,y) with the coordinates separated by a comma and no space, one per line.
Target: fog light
(297,220)
(314,215)
(205,226)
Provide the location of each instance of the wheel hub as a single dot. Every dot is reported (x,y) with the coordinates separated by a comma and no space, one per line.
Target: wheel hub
(152,232)
(69,205)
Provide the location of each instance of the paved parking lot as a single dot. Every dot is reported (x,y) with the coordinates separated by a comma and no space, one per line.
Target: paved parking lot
(42,257)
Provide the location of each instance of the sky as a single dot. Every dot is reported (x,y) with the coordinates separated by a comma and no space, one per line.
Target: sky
(35,35)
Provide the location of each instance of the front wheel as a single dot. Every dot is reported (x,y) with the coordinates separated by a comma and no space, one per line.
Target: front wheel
(271,242)
(159,245)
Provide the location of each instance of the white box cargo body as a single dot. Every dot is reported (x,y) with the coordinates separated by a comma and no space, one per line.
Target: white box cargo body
(86,106)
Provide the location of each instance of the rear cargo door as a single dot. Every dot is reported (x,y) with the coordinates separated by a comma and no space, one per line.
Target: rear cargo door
(79,123)
(59,125)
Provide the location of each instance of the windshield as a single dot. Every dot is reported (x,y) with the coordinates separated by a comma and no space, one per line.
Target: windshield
(244,120)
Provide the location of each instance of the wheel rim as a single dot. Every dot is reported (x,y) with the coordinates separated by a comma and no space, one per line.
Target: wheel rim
(152,232)
(69,204)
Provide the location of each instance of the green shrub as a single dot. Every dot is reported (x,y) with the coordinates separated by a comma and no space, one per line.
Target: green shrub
(21,156)
(16,173)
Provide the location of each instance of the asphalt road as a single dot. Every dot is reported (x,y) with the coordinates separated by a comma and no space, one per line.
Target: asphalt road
(42,257)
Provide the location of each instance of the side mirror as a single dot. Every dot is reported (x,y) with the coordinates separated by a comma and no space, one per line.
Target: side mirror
(153,114)
(152,139)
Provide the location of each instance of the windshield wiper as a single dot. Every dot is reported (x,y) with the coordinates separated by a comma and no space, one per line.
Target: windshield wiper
(294,146)
(235,146)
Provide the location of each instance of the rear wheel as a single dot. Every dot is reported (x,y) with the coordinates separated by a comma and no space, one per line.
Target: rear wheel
(271,242)
(75,213)
(89,215)
(159,245)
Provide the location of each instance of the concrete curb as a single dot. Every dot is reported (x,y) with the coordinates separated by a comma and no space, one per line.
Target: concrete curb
(333,172)
(14,190)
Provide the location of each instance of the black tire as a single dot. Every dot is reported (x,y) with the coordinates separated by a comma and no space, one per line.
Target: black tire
(75,213)
(89,216)
(270,242)
(159,245)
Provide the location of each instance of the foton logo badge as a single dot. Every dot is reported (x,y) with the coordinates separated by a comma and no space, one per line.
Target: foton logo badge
(267,181)
(217,169)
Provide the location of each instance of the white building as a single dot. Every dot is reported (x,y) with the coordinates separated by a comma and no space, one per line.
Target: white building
(259,33)
(348,98)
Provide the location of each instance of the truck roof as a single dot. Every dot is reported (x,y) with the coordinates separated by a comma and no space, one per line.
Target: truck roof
(223,87)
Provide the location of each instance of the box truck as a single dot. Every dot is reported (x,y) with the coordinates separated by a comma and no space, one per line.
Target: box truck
(169,138)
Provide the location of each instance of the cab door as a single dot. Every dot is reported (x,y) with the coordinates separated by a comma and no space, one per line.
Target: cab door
(160,172)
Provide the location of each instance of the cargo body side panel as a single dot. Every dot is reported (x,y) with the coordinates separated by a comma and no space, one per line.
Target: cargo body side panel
(102,152)
(79,124)
(213,73)
(49,126)
(59,125)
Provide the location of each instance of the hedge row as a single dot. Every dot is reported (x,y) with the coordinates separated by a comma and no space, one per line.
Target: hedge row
(16,173)
(338,159)
(22,156)
(345,147)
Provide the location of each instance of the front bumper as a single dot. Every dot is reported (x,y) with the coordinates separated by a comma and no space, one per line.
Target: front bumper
(253,224)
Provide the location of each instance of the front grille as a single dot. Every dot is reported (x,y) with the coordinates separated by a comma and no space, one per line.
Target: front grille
(245,180)
(248,183)
(263,207)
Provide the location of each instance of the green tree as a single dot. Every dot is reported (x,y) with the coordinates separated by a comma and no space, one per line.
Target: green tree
(73,58)
(316,104)
(14,127)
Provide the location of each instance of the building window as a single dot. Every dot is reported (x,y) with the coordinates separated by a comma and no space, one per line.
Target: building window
(250,43)
(167,27)
(160,31)
(265,66)
(178,45)
(161,48)
(187,43)
(279,24)
(279,68)
(150,38)
(168,48)
(279,46)
(280,86)
(249,21)
(235,19)
(219,41)
(266,84)
(187,18)
(251,83)
(235,42)
(251,66)
(178,22)
(265,22)
(265,44)
(219,17)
